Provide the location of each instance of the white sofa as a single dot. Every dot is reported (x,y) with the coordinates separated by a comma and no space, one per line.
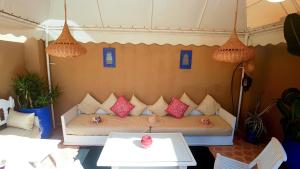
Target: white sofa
(78,129)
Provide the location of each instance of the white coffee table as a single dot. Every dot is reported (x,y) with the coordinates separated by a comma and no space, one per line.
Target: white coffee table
(168,150)
(22,151)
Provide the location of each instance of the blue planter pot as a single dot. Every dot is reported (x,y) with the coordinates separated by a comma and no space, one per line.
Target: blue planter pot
(292,149)
(252,138)
(45,120)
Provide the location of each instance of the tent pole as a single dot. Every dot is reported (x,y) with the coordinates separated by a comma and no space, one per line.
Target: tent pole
(246,40)
(49,74)
(240,97)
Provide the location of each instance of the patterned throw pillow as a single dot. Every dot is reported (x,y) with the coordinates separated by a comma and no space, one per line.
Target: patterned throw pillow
(122,107)
(177,108)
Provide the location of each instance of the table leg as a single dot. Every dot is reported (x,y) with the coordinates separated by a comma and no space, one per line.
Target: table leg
(182,167)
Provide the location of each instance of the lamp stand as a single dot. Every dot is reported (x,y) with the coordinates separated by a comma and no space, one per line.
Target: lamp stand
(240,98)
(49,74)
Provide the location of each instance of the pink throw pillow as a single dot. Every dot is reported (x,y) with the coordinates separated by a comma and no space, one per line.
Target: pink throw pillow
(177,108)
(122,107)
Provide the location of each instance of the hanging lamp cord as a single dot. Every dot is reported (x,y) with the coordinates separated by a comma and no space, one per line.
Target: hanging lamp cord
(65,5)
(235,15)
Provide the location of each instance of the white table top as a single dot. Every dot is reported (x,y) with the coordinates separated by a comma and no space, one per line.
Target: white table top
(167,149)
(18,148)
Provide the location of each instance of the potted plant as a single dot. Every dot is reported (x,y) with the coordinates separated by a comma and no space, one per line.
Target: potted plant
(33,96)
(254,125)
(289,106)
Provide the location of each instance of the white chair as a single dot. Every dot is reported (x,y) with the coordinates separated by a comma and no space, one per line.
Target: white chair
(5,105)
(270,158)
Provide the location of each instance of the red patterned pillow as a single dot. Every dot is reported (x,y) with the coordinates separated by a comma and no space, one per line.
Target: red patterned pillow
(177,108)
(122,107)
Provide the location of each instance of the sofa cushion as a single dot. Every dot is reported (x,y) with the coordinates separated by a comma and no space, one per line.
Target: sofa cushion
(108,103)
(177,108)
(82,125)
(192,105)
(122,107)
(190,125)
(159,107)
(20,120)
(139,107)
(209,106)
(33,133)
(88,105)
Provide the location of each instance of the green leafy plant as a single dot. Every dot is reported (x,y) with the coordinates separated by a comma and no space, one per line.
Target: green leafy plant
(254,124)
(289,106)
(32,91)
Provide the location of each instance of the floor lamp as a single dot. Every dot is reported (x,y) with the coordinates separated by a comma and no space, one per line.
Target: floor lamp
(234,51)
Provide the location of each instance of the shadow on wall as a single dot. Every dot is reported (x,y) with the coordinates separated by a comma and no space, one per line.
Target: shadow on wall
(276,70)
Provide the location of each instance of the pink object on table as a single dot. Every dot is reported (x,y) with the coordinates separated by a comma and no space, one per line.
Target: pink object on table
(205,121)
(146,141)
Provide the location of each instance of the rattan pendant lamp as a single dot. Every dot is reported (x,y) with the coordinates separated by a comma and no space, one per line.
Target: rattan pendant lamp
(234,51)
(65,45)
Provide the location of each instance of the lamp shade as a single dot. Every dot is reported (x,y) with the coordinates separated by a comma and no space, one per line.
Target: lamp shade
(65,45)
(233,51)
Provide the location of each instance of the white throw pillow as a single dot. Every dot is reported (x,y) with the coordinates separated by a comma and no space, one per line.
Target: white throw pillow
(20,120)
(108,103)
(159,107)
(192,105)
(209,106)
(139,106)
(222,111)
(88,105)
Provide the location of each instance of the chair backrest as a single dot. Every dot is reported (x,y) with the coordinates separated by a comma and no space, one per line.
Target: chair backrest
(271,157)
(4,106)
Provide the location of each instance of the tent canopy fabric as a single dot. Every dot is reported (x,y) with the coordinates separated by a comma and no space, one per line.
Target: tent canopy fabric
(198,22)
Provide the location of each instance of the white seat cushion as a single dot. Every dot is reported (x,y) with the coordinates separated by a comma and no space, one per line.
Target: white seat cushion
(83,125)
(190,125)
(33,133)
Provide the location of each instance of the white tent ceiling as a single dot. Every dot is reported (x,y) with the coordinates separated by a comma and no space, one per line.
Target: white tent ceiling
(148,21)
